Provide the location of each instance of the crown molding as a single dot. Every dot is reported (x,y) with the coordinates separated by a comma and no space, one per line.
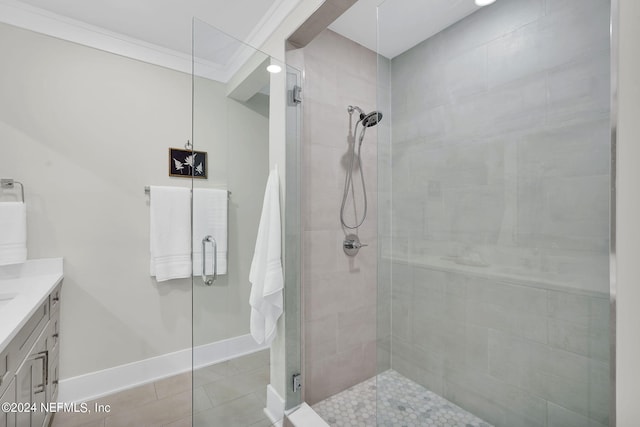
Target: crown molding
(276,14)
(35,19)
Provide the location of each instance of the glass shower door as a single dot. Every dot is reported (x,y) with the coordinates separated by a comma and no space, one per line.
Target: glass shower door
(231,85)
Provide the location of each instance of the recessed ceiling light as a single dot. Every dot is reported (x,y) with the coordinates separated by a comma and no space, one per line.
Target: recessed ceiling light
(273,68)
(484,2)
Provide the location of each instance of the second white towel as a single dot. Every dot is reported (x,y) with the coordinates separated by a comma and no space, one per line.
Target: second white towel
(267,281)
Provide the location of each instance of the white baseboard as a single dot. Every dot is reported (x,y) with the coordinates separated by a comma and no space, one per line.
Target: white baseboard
(228,349)
(275,406)
(101,383)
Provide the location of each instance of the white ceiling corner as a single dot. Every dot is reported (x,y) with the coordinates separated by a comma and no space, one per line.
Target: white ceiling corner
(359,23)
(402,23)
(166,40)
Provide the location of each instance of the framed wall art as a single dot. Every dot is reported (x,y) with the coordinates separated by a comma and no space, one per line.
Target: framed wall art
(187,163)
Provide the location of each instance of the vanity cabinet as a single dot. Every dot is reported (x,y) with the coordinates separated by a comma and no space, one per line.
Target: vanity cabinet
(8,419)
(32,365)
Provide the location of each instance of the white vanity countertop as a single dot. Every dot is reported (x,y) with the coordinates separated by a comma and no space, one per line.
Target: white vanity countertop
(23,287)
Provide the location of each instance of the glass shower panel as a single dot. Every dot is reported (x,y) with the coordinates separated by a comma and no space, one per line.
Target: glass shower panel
(231,98)
(292,230)
(494,214)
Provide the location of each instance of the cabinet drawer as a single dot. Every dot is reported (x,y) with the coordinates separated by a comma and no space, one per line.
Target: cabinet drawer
(54,299)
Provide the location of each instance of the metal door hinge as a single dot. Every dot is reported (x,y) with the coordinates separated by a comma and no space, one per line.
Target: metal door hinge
(297,94)
(297,382)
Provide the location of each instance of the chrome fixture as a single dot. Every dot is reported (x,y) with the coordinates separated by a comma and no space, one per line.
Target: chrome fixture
(297,382)
(296,94)
(9,184)
(209,281)
(367,120)
(352,245)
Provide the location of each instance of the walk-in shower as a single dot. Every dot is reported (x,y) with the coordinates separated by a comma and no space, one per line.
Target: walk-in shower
(492,219)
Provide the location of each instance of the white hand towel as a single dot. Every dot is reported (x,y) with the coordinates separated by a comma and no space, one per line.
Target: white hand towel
(170,232)
(210,208)
(266,277)
(13,233)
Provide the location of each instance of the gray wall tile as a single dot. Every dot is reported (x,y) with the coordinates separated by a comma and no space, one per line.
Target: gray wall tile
(339,292)
(500,147)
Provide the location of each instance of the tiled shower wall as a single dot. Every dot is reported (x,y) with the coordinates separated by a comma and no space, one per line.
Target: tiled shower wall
(513,354)
(339,292)
(499,213)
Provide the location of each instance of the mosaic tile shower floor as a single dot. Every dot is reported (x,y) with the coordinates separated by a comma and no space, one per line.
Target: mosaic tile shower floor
(401,403)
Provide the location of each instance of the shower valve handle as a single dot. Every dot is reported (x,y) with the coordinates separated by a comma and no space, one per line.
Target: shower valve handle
(352,245)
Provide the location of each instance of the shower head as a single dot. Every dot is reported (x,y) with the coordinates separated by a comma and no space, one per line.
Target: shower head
(371,119)
(367,120)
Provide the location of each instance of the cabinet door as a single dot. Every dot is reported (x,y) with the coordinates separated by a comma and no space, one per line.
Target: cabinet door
(8,419)
(54,350)
(31,381)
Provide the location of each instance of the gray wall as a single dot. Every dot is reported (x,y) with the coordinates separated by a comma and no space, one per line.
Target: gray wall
(86,131)
(500,157)
(339,291)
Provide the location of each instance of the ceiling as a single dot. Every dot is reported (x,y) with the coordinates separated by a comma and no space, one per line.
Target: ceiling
(160,31)
(403,23)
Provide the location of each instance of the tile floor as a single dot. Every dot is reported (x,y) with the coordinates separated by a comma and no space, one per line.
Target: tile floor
(399,401)
(230,394)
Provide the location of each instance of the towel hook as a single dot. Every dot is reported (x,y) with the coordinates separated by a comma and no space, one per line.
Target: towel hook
(188,145)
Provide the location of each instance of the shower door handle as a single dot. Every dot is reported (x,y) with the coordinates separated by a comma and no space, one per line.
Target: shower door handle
(209,281)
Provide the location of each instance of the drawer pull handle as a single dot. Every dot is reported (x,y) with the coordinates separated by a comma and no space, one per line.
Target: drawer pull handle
(44,356)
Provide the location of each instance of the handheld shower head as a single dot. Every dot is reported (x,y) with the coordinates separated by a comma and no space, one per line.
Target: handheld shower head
(371,119)
(368,120)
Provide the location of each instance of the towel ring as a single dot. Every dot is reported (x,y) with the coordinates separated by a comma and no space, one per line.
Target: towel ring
(9,183)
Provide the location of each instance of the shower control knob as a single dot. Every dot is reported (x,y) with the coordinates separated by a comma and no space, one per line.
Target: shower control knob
(352,245)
